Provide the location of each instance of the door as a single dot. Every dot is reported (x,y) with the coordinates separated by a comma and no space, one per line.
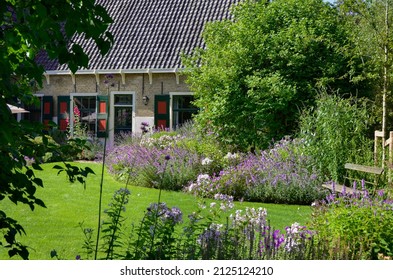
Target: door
(123,112)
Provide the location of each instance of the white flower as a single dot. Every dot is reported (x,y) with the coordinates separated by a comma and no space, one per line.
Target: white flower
(206,161)
(229,155)
(191,187)
(202,206)
(203,178)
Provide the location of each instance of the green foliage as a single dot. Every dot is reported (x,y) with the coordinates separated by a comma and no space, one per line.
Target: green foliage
(88,244)
(369,22)
(337,131)
(260,68)
(74,173)
(27,28)
(355,227)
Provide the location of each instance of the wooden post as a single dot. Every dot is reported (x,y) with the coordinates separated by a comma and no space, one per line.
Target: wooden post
(390,165)
(377,134)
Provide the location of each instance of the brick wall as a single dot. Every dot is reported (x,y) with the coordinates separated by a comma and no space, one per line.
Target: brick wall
(161,83)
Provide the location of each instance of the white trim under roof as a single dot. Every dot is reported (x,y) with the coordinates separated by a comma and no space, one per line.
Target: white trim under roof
(121,72)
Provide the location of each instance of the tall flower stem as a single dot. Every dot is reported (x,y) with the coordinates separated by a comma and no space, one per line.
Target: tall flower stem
(100,200)
(158,202)
(102,182)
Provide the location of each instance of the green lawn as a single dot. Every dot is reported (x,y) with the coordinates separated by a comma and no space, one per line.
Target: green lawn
(57,226)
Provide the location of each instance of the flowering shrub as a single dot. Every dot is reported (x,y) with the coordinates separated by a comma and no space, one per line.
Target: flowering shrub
(161,140)
(278,175)
(354,226)
(144,165)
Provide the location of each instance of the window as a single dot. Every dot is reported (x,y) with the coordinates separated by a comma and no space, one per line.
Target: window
(86,108)
(182,109)
(35,111)
(123,112)
(122,116)
(41,111)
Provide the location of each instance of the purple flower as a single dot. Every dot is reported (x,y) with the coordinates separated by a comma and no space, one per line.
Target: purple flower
(278,238)
(172,216)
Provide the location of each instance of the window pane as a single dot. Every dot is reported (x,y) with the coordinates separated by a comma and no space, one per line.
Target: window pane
(87,108)
(123,99)
(183,102)
(123,118)
(35,114)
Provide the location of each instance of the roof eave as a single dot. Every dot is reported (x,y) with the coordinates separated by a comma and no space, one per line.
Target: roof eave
(121,72)
(114,71)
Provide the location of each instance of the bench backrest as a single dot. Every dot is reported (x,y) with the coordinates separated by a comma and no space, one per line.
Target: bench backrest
(363,168)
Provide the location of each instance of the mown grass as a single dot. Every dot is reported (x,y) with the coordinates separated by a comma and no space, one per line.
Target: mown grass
(69,204)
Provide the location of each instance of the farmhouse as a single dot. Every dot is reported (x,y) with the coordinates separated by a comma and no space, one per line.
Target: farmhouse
(140,79)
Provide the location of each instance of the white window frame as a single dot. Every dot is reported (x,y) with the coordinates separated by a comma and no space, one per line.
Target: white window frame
(112,110)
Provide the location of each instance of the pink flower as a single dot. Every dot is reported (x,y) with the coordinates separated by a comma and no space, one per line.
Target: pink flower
(76,111)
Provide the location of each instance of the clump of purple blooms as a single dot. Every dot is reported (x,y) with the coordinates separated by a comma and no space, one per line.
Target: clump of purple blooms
(165,214)
(278,175)
(248,235)
(144,165)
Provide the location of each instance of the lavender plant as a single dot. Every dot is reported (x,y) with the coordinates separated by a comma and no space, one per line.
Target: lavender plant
(279,175)
(146,165)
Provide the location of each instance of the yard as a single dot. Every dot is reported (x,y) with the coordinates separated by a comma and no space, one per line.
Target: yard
(57,227)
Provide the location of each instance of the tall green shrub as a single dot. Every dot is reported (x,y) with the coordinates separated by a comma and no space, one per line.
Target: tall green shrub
(337,131)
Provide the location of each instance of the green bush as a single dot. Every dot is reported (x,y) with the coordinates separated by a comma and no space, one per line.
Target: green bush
(354,226)
(337,131)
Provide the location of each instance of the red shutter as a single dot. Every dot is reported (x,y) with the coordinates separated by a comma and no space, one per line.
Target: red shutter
(63,112)
(102,116)
(161,112)
(47,114)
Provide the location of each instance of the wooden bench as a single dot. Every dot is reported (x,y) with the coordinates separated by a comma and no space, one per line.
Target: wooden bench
(347,185)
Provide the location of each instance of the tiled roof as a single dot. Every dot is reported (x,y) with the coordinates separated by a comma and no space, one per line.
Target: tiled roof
(150,34)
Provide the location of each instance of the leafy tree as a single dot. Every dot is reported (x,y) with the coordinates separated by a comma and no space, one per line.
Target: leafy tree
(28,27)
(372,37)
(259,69)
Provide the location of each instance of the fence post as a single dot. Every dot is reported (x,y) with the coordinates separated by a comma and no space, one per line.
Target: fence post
(377,134)
(390,165)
